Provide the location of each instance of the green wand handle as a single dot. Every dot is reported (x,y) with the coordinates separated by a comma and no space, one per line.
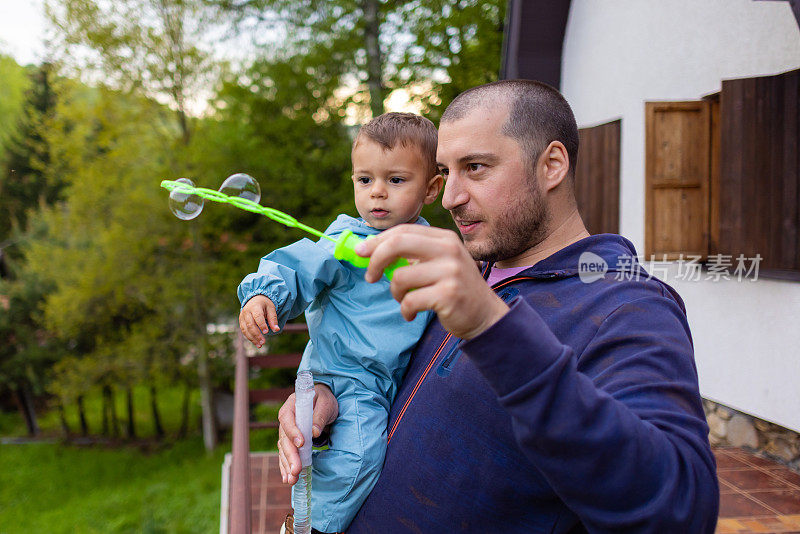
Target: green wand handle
(345,245)
(345,250)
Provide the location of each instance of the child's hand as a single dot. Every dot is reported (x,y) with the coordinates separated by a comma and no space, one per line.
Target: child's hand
(253,319)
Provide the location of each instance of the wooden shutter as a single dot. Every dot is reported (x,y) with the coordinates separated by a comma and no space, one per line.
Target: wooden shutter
(597,177)
(677,178)
(759,182)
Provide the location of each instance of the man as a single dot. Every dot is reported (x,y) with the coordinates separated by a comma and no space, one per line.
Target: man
(545,400)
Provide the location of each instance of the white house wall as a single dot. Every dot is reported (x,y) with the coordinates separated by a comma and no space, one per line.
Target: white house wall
(619,54)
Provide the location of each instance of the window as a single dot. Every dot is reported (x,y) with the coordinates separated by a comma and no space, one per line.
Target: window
(722,175)
(597,177)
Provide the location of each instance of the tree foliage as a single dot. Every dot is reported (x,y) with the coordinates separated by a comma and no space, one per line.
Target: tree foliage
(111,253)
(454,45)
(28,349)
(24,182)
(109,289)
(434,49)
(146,46)
(12,96)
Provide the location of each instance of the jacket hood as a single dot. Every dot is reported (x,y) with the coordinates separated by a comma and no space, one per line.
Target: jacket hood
(358,226)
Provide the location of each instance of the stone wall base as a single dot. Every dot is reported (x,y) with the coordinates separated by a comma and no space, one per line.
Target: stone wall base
(731,428)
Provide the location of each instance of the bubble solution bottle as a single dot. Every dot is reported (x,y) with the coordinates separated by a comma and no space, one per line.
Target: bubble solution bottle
(301,493)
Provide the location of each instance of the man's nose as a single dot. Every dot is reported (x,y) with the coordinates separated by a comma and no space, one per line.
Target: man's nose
(454,195)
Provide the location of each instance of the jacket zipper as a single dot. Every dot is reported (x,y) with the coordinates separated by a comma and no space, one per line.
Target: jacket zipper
(439,350)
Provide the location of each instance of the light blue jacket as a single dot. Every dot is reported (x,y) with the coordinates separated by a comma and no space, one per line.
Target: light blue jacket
(356,328)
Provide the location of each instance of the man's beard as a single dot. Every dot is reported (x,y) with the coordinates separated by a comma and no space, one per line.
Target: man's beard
(523,227)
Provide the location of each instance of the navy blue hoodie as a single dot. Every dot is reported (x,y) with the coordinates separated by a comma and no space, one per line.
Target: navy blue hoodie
(578,411)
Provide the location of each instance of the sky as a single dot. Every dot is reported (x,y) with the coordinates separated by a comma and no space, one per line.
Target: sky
(22,29)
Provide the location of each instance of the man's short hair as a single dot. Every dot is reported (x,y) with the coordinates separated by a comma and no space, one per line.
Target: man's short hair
(406,129)
(538,115)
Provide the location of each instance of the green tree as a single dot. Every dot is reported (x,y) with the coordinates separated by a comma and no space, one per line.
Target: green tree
(27,350)
(23,183)
(435,48)
(116,248)
(454,45)
(284,128)
(151,48)
(134,288)
(346,40)
(12,97)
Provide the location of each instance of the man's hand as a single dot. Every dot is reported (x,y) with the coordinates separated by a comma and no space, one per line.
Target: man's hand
(290,439)
(443,278)
(253,319)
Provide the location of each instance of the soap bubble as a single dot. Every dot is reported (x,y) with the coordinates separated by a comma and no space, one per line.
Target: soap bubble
(184,205)
(241,185)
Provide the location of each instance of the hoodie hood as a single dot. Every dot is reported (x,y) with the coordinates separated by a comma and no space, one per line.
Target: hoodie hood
(612,252)
(594,257)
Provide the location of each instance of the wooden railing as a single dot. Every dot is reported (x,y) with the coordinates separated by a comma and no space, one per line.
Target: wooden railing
(240,505)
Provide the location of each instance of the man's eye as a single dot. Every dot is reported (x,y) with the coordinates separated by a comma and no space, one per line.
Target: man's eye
(396,180)
(474,167)
(444,171)
(364,179)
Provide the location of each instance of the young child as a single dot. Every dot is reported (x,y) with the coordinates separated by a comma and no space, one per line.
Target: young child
(360,343)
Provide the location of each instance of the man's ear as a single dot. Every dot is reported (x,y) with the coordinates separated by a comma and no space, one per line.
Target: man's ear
(434,187)
(554,165)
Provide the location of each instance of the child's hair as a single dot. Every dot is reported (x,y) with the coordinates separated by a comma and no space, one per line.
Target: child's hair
(408,129)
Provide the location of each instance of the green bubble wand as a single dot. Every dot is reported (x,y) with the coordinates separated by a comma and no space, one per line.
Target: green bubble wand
(183,189)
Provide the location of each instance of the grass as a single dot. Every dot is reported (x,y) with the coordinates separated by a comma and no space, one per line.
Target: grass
(174,488)
(58,488)
(11,424)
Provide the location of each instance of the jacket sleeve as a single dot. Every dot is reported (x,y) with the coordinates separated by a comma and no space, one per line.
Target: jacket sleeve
(619,434)
(291,277)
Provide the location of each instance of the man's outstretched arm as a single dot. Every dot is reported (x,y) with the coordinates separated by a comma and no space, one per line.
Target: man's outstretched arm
(619,434)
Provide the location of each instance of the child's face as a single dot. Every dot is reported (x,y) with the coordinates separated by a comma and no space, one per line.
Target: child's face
(391,185)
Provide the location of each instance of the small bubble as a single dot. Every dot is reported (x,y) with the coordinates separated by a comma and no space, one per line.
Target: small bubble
(241,185)
(184,205)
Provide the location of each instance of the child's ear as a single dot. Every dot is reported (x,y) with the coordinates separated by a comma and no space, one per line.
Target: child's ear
(434,187)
